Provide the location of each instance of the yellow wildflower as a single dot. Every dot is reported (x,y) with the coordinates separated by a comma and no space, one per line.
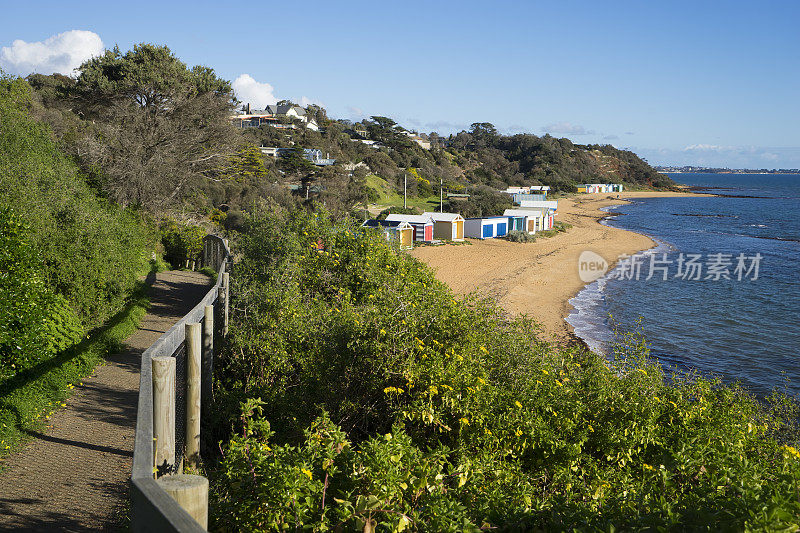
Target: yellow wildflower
(307,472)
(464,421)
(790,451)
(518,404)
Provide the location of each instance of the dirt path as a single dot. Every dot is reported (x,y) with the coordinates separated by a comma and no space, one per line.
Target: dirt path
(75,477)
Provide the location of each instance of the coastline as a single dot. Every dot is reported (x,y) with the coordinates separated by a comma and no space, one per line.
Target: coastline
(540,278)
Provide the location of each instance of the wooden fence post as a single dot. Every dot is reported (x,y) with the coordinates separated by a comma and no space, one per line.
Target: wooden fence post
(226,280)
(164,413)
(191,493)
(193,355)
(207,371)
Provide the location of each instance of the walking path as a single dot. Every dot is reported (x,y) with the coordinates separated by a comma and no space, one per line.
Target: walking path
(75,477)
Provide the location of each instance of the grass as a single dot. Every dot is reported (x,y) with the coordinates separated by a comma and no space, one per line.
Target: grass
(558,227)
(389,197)
(28,398)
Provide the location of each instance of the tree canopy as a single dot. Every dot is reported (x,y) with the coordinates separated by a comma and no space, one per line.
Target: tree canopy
(165,124)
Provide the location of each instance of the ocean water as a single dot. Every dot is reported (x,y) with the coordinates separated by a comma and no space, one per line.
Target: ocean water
(745,330)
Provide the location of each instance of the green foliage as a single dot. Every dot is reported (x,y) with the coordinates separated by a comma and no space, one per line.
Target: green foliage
(34,322)
(558,227)
(89,251)
(28,397)
(520,236)
(162,125)
(483,201)
(181,242)
(392,404)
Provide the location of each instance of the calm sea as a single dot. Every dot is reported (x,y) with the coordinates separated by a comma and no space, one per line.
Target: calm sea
(746,330)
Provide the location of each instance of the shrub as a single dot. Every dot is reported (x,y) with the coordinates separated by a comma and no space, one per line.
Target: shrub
(181,242)
(91,252)
(392,404)
(520,236)
(34,322)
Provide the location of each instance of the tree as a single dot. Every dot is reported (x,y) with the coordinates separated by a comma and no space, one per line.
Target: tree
(163,124)
(295,164)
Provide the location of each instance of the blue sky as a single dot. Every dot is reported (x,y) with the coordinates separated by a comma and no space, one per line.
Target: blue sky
(710,83)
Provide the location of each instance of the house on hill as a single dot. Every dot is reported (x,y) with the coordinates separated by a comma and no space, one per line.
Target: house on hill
(447,226)
(271,115)
(312,154)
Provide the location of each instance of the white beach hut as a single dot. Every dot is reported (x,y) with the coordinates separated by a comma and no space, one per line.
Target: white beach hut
(486,227)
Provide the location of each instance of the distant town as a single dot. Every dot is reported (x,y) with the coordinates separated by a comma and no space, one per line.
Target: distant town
(690,169)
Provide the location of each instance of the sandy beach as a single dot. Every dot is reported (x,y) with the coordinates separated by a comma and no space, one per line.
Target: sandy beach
(540,278)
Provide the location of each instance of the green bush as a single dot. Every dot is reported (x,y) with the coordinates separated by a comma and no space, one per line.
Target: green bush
(91,252)
(182,242)
(34,322)
(520,236)
(393,405)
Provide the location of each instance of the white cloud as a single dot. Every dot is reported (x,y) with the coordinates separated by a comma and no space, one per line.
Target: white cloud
(355,113)
(306,101)
(61,53)
(706,148)
(249,91)
(566,128)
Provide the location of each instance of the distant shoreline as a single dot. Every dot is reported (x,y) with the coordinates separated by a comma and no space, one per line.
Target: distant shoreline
(539,279)
(779,172)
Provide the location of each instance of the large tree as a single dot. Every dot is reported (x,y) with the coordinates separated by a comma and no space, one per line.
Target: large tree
(164,124)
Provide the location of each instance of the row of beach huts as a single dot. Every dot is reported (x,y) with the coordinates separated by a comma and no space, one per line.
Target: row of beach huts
(600,187)
(534,213)
(430,227)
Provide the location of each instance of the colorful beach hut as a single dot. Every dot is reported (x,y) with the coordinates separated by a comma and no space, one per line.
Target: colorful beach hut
(486,227)
(402,232)
(447,226)
(515,222)
(533,220)
(423,225)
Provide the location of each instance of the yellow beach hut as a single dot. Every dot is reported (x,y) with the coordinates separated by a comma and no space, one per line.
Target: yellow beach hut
(447,226)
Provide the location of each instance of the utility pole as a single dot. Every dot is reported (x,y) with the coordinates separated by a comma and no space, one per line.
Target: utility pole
(405,183)
(441,195)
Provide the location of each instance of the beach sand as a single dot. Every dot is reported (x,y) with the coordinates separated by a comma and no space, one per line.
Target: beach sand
(540,278)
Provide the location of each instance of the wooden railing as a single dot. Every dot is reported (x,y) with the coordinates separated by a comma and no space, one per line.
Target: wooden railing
(174,393)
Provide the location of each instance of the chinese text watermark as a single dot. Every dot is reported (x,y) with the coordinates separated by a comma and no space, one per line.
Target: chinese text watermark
(689,267)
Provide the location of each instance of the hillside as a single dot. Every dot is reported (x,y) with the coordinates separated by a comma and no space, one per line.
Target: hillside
(479,161)
(221,167)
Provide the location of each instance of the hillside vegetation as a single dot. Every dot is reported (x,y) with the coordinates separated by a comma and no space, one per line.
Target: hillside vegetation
(71,258)
(177,152)
(357,393)
(69,261)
